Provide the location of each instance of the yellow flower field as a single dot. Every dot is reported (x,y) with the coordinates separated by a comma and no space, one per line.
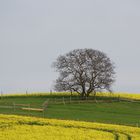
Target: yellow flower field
(116,94)
(30,128)
(131,96)
(121,95)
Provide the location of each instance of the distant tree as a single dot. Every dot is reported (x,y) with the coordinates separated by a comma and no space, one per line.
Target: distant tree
(84,71)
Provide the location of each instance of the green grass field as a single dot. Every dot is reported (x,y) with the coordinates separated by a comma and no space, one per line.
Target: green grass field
(126,113)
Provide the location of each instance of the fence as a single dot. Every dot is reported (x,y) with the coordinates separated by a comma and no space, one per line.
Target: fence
(24,109)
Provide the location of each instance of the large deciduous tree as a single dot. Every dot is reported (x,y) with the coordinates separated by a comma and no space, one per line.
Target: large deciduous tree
(84,71)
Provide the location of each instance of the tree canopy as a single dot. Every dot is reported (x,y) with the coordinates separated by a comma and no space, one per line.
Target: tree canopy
(84,71)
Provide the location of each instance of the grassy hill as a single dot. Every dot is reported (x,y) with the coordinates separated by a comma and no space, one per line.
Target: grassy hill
(106,108)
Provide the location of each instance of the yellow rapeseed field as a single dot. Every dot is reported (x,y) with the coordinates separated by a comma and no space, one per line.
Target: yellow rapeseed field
(30,128)
(116,94)
(121,95)
(131,96)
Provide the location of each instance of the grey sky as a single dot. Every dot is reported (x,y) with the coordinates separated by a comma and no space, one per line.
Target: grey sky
(34,32)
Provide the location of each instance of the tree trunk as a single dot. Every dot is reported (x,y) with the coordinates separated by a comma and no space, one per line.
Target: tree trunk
(83,95)
(88,94)
(94,95)
(71,93)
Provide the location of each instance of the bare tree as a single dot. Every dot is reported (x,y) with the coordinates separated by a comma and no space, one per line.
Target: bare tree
(84,71)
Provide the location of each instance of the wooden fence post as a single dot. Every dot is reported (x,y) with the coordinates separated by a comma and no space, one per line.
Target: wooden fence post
(1,94)
(70,99)
(43,112)
(119,98)
(29,109)
(14,106)
(63,100)
(50,92)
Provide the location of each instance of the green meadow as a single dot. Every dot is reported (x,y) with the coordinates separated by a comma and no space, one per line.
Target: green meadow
(105,109)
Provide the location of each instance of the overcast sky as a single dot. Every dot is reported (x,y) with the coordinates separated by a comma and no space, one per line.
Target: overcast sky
(33,33)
